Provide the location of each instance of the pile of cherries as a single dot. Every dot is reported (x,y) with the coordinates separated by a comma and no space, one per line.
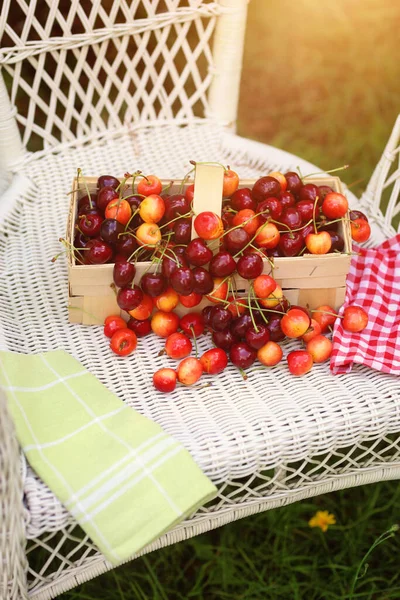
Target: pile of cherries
(279,216)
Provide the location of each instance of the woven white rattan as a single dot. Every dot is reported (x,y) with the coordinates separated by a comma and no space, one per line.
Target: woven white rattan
(266,442)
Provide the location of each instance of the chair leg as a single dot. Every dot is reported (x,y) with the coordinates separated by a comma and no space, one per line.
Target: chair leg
(13,561)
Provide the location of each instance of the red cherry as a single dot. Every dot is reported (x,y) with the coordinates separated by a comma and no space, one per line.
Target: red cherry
(219,318)
(242,199)
(189,193)
(191,300)
(182,230)
(126,244)
(203,281)
(256,337)
(193,324)
(176,206)
(110,230)
(337,242)
(198,253)
(323,190)
(90,224)
(309,192)
(335,205)
(141,328)
(222,264)
(286,199)
(291,244)
(123,273)
(99,252)
(250,266)
(112,324)
(164,380)
(270,208)
(153,284)
(305,208)
(274,327)
(149,185)
(224,339)
(357,214)
(235,240)
(178,345)
(294,182)
(182,281)
(264,188)
(107,181)
(242,355)
(129,298)
(299,362)
(123,342)
(105,196)
(214,361)
(360,230)
(240,325)
(291,218)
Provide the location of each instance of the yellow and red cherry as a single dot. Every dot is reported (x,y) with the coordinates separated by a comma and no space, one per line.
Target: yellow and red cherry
(312,332)
(189,371)
(152,209)
(263,286)
(149,185)
(230,183)
(250,266)
(141,328)
(267,236)
(360,230)
(153,284)
(248,219)
(167,300)
(325,315)
(98,252)
(320,348)
(241,355)
(178,346)
(106,195)
(355,319)
(335,205)
(129,297)
(143,310)
(191,300)
(208,225)
(107,181)
(123,273)
(119,210)
(203,281)
(222,264)
(293,182)
(295,323)
(242,200)
(164,380)
(220,290)
(123,342)
(273,299)
(279,177)
(257,336)
(112,324)
(197,252)
(265,187)
(299,362)
(192,324)
(148,234)
(164,323)
(235,240)
(214,361)
(270,354)
(318,243)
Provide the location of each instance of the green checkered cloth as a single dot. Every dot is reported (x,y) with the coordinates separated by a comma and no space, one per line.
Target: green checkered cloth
(119,474)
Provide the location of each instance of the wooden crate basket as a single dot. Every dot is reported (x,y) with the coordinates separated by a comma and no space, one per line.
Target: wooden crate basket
(308,279)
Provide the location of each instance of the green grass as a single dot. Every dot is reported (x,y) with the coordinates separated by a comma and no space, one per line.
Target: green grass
(272,556)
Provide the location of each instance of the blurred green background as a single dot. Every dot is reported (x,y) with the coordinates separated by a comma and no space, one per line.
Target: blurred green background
(321,79)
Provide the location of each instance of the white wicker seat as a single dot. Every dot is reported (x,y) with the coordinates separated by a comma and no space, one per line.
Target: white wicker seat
(117,89)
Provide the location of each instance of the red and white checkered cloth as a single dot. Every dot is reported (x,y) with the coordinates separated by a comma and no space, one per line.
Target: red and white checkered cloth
(374,284)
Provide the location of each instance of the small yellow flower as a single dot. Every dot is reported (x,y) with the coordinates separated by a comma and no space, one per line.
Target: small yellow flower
(322,519)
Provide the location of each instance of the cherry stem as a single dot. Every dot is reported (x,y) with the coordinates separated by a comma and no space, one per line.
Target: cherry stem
(325,312)
(185,216)
(194,341)
(130,219)
(249,294)
(243,373)
(166,188)
(186,177)
(343,168)
(86,186)
(314,209)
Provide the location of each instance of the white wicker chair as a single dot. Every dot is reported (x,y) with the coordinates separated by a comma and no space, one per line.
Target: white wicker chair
(152,84)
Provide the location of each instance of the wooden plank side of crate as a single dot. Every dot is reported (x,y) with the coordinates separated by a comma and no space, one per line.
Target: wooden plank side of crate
(92,310)
(209,182)
(334,297)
